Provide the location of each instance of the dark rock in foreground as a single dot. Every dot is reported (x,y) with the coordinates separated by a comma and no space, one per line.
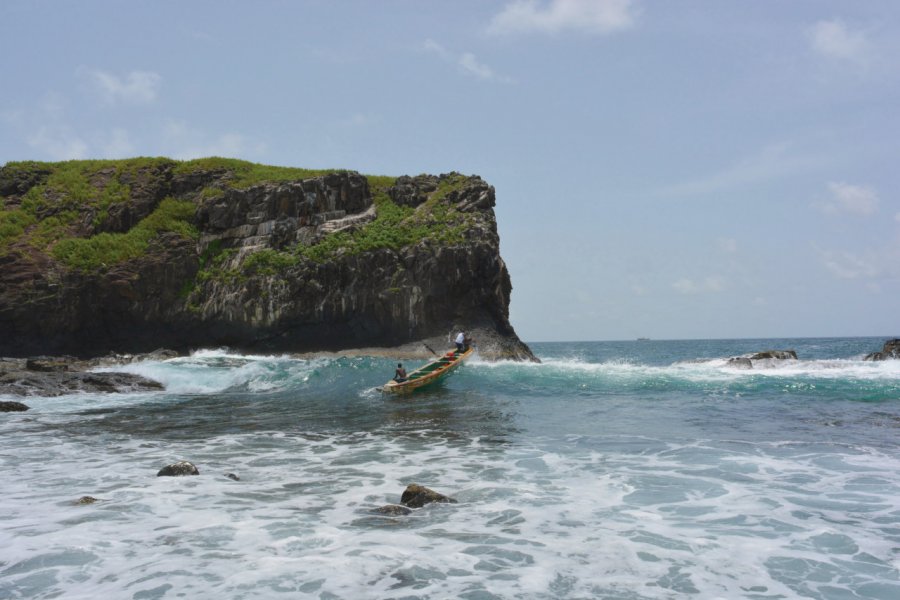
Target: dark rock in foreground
(9,406)
(56,376)
(417,496)
(178,469)
(891,350)
(86,500)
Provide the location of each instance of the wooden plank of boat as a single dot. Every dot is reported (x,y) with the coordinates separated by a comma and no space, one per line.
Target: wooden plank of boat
(428,373)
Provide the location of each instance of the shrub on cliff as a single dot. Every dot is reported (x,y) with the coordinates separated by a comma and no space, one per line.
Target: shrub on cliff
(106,249)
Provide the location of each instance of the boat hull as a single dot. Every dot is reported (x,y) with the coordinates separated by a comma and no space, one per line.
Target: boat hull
(428,374)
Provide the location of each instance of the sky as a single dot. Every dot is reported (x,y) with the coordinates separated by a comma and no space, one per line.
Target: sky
(666,169)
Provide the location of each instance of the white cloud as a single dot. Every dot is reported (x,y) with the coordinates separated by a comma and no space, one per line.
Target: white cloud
(845,265)
(466,62)
(58,143)
(588,16)
(708,285)
(470,64)
(433,46)
(853,199)
(184,142)
(137,87)
(833,39)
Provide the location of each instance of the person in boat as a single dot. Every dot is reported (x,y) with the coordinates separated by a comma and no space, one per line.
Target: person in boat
(460,342)
(400,373)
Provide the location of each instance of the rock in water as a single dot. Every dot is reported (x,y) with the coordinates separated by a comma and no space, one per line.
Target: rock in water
(232,477)
(86,500)
(178,469)
(776,354)
(890,350)
(417,496)
(391,510)
(740,362)
(12,406)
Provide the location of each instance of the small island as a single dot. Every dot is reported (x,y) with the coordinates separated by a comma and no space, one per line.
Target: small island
(127,256)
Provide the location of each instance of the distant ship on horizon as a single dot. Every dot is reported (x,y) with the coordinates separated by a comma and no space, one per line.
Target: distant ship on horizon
(643,339)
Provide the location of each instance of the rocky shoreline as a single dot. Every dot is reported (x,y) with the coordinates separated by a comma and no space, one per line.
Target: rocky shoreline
(59,375)
(50,376)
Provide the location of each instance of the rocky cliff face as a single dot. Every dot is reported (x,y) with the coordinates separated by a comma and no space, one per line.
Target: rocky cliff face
(128,256)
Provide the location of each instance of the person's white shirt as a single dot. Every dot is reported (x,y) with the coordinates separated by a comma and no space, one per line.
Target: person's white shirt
(460,338)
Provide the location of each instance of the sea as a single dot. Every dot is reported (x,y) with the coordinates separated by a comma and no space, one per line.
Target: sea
(621,470)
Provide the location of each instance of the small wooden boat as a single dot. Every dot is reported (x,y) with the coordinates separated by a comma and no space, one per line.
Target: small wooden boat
(429,373)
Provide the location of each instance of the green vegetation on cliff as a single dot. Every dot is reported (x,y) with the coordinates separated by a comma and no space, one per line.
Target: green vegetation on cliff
(396,226)
(106,249)
(62,209)
(243,174)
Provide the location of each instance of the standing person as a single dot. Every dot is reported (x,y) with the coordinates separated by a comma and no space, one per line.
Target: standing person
(400,373)
(461,342)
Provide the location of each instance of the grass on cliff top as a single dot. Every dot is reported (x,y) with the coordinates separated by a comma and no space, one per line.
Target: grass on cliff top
(107,249)
(61,192)
(49,212)
(244,174)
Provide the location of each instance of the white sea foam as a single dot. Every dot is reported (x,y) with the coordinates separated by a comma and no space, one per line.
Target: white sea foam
(719,369)
(694,518)
(217,370)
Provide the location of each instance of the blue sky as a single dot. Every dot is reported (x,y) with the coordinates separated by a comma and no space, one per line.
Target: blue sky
(682,169)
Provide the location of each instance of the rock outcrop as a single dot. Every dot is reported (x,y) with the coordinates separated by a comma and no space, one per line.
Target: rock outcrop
(153,252)
(746,361)
(417,496)
(12,406)
(179,469)
(890,350)
(774,355)
(56,376)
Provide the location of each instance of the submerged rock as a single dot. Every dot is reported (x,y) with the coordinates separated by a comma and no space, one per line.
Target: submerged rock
(11,406)
(232,477)
(891,350)
(86,500)
(178,469)
(392,510)
(740,362)
(417,496)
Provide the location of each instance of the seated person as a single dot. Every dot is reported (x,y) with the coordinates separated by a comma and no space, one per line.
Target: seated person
(400,373)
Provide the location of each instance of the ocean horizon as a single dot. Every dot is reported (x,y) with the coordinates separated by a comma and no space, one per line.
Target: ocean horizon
(632,469)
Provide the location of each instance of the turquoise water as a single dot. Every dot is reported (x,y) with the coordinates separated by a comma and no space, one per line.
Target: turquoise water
(628,470)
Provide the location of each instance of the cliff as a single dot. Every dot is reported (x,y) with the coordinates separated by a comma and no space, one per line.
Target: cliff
(133,255)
